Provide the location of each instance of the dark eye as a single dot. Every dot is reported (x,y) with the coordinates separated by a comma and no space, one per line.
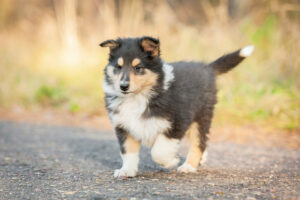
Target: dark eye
(138,69)
(119,67)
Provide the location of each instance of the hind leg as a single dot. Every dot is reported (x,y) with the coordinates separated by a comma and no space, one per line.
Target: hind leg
(195,153)
(164,151)
(197,136)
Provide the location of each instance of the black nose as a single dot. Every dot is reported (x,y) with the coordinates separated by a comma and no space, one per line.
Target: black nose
(124,86)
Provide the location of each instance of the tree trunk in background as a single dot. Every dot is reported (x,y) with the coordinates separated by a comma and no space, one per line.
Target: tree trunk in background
(67,23)
(237,8)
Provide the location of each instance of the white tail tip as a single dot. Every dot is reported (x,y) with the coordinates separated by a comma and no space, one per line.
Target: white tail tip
(246,51)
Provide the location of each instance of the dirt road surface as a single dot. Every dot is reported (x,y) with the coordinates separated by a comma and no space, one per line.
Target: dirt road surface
(56,162)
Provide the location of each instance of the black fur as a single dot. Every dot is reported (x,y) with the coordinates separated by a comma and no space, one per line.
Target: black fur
(227,62)
(121,135)
(191,98)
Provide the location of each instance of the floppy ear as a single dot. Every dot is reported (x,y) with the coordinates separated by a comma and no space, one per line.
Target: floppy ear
(112,44)
(150,45)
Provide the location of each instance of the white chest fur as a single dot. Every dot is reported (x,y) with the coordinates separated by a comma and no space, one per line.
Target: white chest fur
(130,108)
(129,115)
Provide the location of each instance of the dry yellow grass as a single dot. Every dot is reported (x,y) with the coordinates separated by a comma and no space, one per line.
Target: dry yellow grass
(49,54)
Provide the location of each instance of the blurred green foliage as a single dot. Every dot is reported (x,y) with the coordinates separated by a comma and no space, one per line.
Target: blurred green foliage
(74,108)
(264,33)
(50,95)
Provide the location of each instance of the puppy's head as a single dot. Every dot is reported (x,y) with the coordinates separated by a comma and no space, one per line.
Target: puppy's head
(134,64)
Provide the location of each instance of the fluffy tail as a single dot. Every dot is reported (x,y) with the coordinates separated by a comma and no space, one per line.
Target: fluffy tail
(229,61)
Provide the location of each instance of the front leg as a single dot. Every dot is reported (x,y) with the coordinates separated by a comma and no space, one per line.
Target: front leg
(129,152)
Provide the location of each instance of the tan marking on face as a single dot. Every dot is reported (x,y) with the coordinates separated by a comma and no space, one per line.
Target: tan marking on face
(194,156)
(142,82)
(131,145)
(120,61)
(135,62)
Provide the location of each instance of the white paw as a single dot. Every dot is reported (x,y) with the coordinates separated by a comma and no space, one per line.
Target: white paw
(123,173)
(204,158)
(186,168)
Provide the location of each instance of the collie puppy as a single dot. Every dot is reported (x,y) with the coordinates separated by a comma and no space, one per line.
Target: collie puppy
(155,103)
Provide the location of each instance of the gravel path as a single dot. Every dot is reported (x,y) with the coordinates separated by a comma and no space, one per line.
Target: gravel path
(52,162)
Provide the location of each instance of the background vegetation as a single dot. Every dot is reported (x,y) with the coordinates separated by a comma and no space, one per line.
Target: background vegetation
(49,55)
